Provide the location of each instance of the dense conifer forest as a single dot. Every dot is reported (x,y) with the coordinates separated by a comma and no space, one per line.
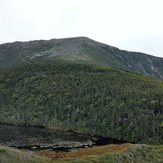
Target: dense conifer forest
(90,99)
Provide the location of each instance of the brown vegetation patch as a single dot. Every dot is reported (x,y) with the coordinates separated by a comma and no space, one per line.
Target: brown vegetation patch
(84,152)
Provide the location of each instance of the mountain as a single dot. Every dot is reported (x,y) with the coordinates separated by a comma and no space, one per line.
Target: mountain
(92,99)
(66,94)
(81,50)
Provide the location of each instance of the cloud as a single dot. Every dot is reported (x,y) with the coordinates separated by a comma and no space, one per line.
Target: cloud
(128,24)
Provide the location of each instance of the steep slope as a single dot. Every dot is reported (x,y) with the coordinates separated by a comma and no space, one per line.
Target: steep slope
(80,49)
(139,62)
(92,99)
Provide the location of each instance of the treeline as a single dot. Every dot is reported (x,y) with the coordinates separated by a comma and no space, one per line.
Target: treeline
(79,97)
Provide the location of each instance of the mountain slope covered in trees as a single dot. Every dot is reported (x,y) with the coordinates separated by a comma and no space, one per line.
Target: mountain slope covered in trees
(86,98)
(80,49)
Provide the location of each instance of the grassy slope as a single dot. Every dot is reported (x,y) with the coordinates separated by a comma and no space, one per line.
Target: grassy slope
(8,155)
(104,154)
(93,99)
(135,153)
(132,153)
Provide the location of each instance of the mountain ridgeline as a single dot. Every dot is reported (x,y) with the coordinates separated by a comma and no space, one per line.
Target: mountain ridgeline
(81,50)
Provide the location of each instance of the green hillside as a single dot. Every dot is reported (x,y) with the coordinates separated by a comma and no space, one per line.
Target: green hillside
(91,99)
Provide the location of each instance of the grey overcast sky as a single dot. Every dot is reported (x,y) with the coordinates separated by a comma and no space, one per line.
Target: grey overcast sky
(134,25)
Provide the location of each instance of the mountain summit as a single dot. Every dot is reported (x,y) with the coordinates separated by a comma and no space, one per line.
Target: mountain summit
(83,50)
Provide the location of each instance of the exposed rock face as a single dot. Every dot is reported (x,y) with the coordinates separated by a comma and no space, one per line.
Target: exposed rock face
(80,49)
